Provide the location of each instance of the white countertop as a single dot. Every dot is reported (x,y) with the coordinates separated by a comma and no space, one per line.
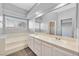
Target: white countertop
(67,43)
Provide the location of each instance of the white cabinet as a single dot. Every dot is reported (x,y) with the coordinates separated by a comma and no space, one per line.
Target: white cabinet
(2,46)
(51,50)
(31,43)
(41,48)
(46,49)
(37,47)
(61,52)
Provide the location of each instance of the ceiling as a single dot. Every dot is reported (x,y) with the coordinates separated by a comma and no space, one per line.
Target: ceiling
(26,6)
(38,9)
(68,6)
(41,9)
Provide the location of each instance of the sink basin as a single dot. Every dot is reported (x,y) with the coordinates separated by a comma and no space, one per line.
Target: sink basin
(57,41)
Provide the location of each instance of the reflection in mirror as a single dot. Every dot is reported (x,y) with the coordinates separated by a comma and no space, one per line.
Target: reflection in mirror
(38,22)
(65,18)
(15,25)
(52,27)
(66,22)
(66,27)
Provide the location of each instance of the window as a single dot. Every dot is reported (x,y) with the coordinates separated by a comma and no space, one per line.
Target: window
(15,25)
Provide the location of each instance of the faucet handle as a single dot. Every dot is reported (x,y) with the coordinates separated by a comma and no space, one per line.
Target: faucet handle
(57,38)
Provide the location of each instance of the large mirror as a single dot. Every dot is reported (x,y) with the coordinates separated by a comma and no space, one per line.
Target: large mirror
(67,28)
(15,25)
(60,21)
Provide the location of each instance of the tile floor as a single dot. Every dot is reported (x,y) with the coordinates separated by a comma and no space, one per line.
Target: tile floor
(24,52)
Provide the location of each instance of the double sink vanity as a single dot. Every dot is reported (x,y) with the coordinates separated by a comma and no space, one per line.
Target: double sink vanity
(43,44)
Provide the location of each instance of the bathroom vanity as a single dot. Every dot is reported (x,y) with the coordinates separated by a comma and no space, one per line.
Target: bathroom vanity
(43,44)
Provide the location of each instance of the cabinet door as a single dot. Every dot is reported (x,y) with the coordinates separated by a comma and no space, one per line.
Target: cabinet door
(2,46)
(46,49)
(37,47)
(43,50)
(60,52)
(31,43)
